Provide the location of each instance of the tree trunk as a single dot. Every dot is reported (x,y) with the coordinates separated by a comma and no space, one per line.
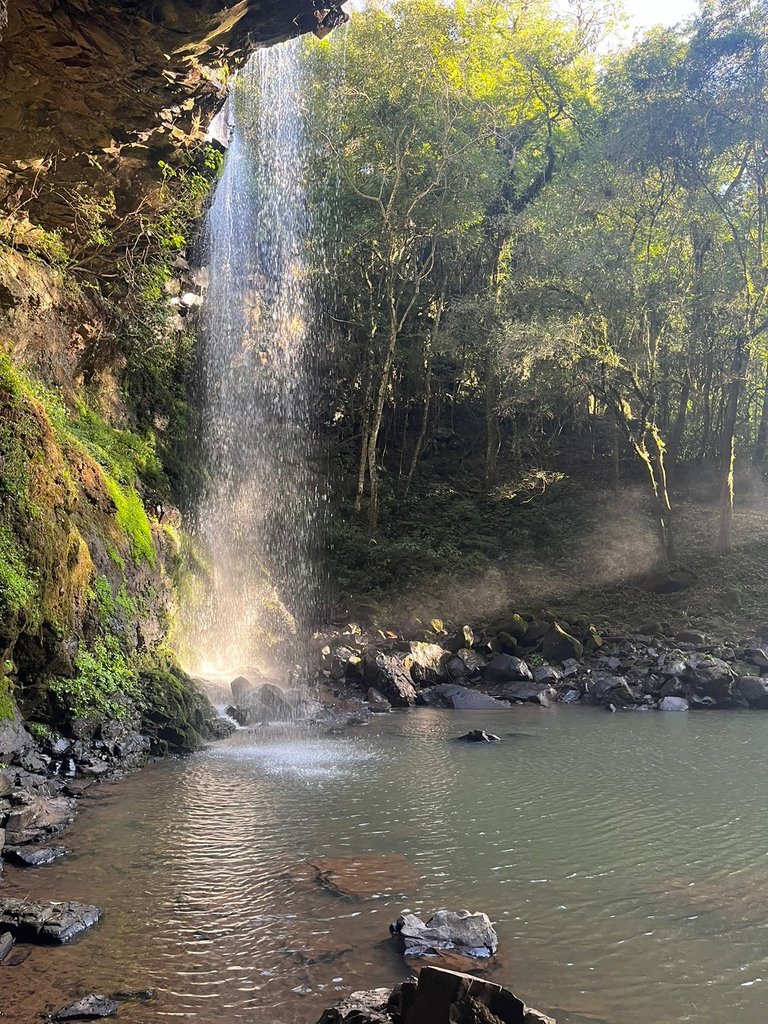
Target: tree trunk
(728,443)
(492,433)
(760,453)
(429,341)
(679,428)
(376,420)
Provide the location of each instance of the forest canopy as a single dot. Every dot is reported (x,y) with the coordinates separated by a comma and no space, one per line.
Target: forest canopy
(544,249)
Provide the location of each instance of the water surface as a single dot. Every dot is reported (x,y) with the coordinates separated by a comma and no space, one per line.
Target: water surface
(623,858)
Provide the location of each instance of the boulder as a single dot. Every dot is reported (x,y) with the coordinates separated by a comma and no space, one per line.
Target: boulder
(528,693)
(377,701)
(6,945)
(712,677)
(479,736)
(390,677)
(14,738)
(34,817)
(91,1007)
(754,691)
(33,858)
(547,674)
(241,687)
(470,934)
(691,636)
(673,704)
(46,924)
(559,645)
(515,625)
(451,695)
(463,637)
(505,668)
(360,1008)
(474,663)
(609,689)
(428,663)
(441,997)
(535,632)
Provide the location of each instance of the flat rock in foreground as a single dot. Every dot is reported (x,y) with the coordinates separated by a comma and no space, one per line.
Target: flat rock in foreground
(46,924)
(438,997)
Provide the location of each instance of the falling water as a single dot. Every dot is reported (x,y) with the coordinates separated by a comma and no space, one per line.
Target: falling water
(259,517)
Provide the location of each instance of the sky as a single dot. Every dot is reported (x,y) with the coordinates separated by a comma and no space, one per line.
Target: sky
(655,12)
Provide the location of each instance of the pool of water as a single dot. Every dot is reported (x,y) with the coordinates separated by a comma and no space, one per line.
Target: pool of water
(623,859)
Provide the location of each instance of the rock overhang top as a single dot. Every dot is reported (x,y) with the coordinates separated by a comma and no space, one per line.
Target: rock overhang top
(104,86)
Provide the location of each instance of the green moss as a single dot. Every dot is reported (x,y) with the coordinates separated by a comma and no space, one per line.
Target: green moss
(18,582)
(133,520)
(6,700)
(40,731)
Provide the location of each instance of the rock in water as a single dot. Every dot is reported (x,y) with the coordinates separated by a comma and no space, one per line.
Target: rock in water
(27,858)
(360,1008)
(6,945)
(46,924)
(91,1007)
(377,701)
(438,997)
(462,699)
(479,736)
(673,704)
(470,934)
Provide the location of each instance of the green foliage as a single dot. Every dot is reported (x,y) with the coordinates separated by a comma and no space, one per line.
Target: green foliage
(40,730)
(106,684)
(18,580)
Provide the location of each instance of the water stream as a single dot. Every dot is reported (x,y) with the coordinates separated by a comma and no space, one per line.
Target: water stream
(625,868)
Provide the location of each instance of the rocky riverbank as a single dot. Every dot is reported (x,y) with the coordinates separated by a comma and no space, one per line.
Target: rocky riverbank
(540,660)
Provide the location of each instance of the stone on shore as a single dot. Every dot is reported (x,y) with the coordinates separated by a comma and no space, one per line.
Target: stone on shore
(451,695)
(754,691)
(90,1007)
(46,924)
(673,704)
(559,645)
(390,677)
(33,818)
(506,668)
(377,701)
(469,934)
(528,693)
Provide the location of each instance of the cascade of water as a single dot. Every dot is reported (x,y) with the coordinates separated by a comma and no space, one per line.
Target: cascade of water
(259,517)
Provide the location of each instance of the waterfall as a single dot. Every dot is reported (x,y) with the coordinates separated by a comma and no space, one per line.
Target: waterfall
(259,517)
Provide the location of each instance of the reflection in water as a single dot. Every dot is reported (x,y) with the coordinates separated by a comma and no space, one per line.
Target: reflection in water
(626,887)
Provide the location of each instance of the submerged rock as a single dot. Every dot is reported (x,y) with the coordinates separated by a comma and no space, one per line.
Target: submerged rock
(33,817)
(355,876)
(46,924)
(91,1007)
(6,945)
(470,934)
